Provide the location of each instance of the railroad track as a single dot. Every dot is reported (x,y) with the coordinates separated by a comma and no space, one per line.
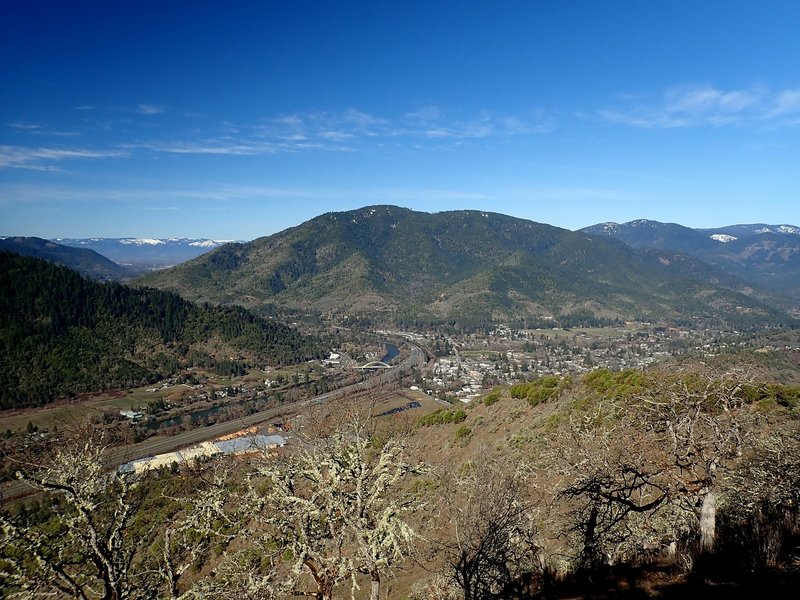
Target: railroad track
(376,388)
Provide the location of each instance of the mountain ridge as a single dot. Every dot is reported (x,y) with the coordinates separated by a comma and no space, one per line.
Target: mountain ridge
(389,263)
(764,255)
(84,260)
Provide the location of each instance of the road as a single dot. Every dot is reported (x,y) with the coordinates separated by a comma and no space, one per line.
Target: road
(117,456)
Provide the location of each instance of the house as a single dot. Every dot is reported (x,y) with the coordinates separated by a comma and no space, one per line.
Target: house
(133,415)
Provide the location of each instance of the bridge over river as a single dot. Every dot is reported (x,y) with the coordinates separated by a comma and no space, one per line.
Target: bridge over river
(374,366)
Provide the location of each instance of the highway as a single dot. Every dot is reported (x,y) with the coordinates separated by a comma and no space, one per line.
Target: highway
(117,456)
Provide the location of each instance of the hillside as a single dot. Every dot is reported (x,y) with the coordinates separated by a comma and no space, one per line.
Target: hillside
(84,260)
(676,483)
(617,464)
(62,334)
(390,264)
(764,255)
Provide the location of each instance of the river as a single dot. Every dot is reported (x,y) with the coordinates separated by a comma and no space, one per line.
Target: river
(391,352)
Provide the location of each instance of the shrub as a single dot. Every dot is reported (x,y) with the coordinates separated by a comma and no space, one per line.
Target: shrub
(541,389)
(443,417)
(616,384)
(492,397)
(463,432)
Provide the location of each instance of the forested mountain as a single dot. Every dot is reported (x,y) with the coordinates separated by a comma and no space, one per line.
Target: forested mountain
(85,261)
(653,235)
(765,255)
(62,334)
(390,264)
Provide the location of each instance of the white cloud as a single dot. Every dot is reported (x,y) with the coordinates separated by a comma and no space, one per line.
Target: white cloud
(25,126)
(425,114)
(336,136)
(209,147)
(227,145)
(705,105)
(149,109)
(362,120)
(39,158)
(36,129)
(346,131)
(707,100)
(786,103)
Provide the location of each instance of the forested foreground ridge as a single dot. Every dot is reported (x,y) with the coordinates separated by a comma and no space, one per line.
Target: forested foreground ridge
(683,481)
(84,260)
(62,334)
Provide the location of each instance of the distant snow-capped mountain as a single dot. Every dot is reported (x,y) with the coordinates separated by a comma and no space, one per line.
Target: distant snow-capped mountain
(145,252)
(723,237)
(766,255)
(742,231)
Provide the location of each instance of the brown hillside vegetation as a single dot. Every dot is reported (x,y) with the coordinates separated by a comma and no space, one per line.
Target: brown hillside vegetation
(620,484)
(662,476)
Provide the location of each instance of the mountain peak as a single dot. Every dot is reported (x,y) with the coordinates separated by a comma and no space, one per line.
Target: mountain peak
(752,252)
(467,266)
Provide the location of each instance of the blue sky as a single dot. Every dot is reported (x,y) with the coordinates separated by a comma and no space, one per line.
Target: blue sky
(232,120)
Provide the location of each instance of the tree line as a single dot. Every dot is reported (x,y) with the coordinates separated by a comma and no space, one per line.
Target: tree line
(62,334)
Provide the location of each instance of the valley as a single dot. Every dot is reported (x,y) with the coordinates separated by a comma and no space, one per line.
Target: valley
(537,360)
(399,300)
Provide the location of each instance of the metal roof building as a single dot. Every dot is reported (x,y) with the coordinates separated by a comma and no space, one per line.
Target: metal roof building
(250,443)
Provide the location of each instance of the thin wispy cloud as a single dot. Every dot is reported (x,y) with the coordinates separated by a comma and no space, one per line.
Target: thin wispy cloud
(224,193)
(211,146)
(350,130)
(786,103)
(149,109)
(37,129)
(142,108)
(41,158)
(25,126)
(361,120)
(425,123)
(706,105)
(425,114)
(227,146)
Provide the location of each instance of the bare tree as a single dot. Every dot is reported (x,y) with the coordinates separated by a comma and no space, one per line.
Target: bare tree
(759,499)
(339,508)
(643,471)
(697,418)
(98,542)
(251,574)
(611,480)
(209,515)
(492,545)
(87,550)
